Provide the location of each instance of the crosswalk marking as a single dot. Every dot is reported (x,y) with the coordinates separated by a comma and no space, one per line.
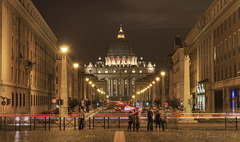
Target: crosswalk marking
(119,136)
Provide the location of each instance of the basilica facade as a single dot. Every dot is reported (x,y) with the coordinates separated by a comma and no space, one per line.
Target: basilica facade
(120,69)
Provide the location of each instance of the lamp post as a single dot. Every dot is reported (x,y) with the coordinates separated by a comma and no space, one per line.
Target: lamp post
(76,82)
(64,86)
(163,89)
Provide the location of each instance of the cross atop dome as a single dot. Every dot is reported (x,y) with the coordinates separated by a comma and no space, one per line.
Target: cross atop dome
(121,33)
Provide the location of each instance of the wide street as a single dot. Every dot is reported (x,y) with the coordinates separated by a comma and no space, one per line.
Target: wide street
(100,135)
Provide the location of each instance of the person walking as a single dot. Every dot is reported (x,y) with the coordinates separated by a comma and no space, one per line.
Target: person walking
(130,120)
(81,121)
(157,120)
(134,119)
(150,120)
(138,117)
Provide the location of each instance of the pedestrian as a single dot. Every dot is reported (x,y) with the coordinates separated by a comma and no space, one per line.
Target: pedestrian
(130,120)
(157,120)
(163,120)
(134,119)
(138,117)
(175,116)
(150,120)
(81,120)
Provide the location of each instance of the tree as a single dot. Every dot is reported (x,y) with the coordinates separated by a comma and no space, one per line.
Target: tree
(72,103)
(174,102)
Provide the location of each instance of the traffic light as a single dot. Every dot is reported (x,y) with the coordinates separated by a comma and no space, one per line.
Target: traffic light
(61,102)
(8,101)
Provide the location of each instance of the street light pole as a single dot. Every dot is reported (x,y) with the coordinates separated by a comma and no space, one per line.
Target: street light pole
(64,94)
(163,89)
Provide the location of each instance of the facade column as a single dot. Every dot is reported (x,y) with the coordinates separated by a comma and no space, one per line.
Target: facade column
(117,87)
(123,84)
(128,88)
(111,87)
(228,99)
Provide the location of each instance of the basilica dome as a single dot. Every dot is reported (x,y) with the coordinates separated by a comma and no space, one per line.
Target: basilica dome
(121,46)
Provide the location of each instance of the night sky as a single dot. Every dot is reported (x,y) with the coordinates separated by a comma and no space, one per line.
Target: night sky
(90,26)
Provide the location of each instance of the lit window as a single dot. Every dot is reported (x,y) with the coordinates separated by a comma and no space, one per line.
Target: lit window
(114,71)
(133,71)
(99,71)
(140,71)
(106,71)
(125,71)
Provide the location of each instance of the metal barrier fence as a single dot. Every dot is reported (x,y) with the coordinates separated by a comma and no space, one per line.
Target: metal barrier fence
(63,123)
(231,121)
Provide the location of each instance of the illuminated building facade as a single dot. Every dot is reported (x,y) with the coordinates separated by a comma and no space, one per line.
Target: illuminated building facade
(28,51)
(213,46)
(120,69)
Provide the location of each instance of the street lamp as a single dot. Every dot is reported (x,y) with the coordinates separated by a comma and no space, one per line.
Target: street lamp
(75,65)
(64,86)
(87,79)
(163,89)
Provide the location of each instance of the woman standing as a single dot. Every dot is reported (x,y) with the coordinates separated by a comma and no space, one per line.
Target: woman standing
(138,117)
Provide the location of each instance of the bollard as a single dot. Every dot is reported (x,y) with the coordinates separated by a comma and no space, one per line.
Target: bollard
(74,123)
(34,120)
(104,121)
(64,123)
(119,122)
(89,123)
(45,126)
(225,123)
(5,121)
(30,123)
(108,122)
(93,122)
(236,123)
(49,119)
(19,123)
(60,123)
(15,124)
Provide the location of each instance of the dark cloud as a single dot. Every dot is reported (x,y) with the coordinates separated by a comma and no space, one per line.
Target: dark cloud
(90,26)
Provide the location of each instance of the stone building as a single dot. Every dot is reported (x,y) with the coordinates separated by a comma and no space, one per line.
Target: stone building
(28,50)
(213,46)
(178,64)
(120,69)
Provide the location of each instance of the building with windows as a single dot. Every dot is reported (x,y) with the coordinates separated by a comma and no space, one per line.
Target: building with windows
(213,46)
(120,68)
(28,51)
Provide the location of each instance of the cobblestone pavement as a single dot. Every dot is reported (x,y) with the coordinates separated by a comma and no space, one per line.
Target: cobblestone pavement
(100,135)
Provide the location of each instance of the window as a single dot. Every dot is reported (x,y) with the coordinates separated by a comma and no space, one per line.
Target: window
(140,71)
(12,46)
(114,71)
(226,74)
(56,68)
(16,99)
(133,71)
(106,71)
(23,99)
(56,80)
(20,104)
(12,99)
(99,71)
(230,72)
(125,71)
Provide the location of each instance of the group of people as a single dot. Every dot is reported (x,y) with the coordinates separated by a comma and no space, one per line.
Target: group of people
(160,120)
(134,120)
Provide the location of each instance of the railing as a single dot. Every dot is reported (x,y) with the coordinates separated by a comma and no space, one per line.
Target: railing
(66,123)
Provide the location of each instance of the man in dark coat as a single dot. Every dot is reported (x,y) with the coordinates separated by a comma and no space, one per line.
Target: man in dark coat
(150,120)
